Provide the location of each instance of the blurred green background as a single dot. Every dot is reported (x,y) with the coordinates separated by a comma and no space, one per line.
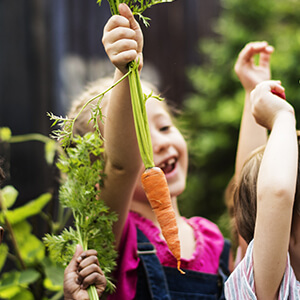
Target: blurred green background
(195,71)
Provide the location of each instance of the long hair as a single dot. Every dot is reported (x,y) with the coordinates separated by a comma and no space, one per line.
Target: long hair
(245,196)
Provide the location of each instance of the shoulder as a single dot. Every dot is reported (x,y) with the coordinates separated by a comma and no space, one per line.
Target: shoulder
(208,232)
(209,240)
(240,284)
(290,287)
(206,226)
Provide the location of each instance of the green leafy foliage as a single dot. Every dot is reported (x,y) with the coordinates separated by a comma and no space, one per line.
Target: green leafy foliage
(12,283)
(64,132)
(9,196)
(80,191)
(31,208)
(213,111)
(137,7)
(25,249)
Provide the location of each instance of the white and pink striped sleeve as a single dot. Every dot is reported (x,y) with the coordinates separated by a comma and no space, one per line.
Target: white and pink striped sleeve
(240,284)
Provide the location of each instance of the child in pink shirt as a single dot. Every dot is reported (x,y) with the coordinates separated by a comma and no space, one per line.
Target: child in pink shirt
(146,267)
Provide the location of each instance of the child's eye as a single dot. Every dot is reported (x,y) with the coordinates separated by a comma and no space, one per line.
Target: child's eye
(165,128)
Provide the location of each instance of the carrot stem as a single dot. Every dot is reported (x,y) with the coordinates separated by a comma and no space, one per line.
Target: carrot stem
(140,116)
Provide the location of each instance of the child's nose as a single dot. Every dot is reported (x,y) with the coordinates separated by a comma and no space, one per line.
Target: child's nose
(160,143)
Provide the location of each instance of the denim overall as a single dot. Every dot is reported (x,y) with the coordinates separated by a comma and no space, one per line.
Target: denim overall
(165,283)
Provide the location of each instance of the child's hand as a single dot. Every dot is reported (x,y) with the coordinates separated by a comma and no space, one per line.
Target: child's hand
(248,72)
(266,106)
(123,39)
(83,271)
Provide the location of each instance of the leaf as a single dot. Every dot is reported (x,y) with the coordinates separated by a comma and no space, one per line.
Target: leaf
(31,248)
(54,275)
(5,134)
(83,166)
(9,195)
(11,282)
(29,209)
(50,150)
(28,276)
(23,295)
(3,255)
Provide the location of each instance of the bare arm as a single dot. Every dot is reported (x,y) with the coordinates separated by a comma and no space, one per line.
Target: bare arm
(123,42)
(251,135)
(275,189)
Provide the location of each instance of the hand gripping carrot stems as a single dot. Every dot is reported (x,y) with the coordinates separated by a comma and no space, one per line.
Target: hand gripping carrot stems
(153,179)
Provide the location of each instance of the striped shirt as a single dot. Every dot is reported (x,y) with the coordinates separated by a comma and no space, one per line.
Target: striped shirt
(240,284)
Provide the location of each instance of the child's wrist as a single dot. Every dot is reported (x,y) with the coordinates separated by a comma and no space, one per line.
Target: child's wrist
(287,117)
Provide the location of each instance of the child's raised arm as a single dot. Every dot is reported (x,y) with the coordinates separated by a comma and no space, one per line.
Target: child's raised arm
(123,42)
(276,185)
(252,135)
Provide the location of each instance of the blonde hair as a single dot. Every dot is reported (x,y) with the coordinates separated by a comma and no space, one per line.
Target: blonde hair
(92,90)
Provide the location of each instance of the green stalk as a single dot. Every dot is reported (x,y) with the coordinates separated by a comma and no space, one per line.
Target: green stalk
(92,99)
(92,292)
(140,116)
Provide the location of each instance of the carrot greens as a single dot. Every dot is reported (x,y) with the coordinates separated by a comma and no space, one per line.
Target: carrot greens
(137,7)
(80,191)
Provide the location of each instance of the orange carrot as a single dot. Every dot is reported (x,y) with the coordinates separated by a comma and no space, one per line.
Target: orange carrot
(156,188)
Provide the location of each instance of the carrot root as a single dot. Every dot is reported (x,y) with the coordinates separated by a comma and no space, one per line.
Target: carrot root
(178,267)
(157,191)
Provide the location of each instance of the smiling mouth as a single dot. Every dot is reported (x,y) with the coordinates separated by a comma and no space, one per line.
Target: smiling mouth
(168,166)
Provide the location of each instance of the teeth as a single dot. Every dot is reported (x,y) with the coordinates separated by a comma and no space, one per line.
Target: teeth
(169,162)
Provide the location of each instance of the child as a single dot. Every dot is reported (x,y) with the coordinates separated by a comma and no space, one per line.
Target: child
(83,271)
(146,267)
(266,214)
(251,134)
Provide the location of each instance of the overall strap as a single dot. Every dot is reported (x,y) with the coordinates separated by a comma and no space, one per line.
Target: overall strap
(153,270)
(223,267)
(224,258)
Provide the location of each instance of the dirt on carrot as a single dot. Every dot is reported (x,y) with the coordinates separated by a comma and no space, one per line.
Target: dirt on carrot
(156,188)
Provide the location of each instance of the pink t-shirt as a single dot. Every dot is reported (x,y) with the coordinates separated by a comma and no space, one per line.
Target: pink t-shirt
(209,246)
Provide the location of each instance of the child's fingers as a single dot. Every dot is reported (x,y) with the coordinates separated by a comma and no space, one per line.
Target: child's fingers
(96,279)
(252,49)
(277,88)
(125,11)
(90,275)
(86,254)
(72,266)
(269,86)
(115,22)
(90,260)
(265,55)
